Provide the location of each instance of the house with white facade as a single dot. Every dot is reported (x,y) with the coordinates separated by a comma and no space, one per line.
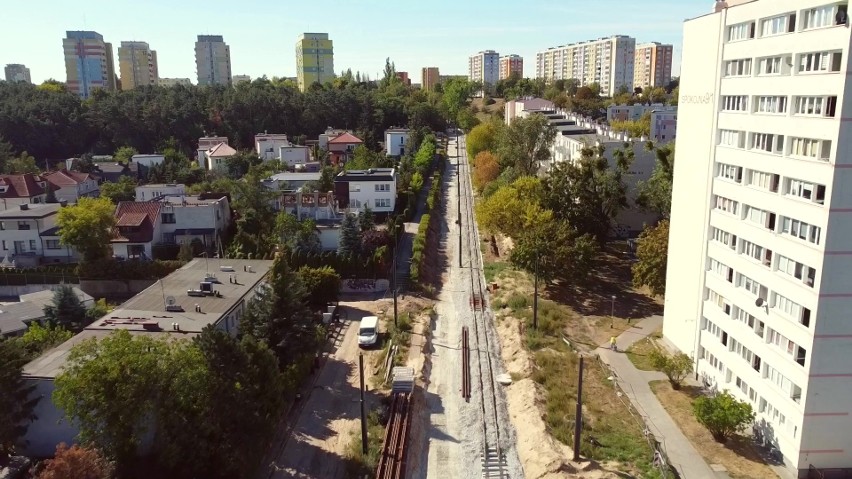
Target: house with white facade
(181,315)
(22,189)
(290,181)
(396,140)
(267,145)
(156,190)
(148,160)
(21,229)
(356,190)
(70,186)
(215,158)
(758,288)
(186,218)
(513,108)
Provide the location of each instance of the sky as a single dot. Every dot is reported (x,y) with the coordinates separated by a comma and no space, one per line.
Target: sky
(262,33)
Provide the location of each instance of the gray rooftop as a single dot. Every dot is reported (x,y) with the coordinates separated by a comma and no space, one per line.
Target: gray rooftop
(373,174)
(32,211)
(13,316)
(303,176)
(148,307)
(45,297)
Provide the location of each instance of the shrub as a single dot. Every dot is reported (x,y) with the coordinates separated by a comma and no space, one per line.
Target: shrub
(723,415)
(676,367)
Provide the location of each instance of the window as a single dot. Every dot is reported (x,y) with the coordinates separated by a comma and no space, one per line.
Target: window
(806,190)
(766,181)
(730,172)
(52,244)
(819,62)
(717,299)
(792,309)
(756,252)
(824,106)
(767,142)
(722,270)
(755,324)
(725,238)
(33,245)
(741,31)
(4,245)
(779,65)
(383,187)
(382,203)
(800,229)
(2,225)
(738,68)
(169,238)
(777,25)
(732,138)
(771,104)
(727,205)
(168,218)
(354,188)
(797,270)
(735,103)
(820,17)
(751,286)
(775,376)
(810,148)
(23,225)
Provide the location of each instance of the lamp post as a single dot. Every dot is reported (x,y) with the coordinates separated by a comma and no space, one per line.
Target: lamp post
(612,313)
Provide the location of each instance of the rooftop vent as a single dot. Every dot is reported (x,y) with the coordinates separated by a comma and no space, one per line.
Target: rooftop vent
(227,269)
(25,207)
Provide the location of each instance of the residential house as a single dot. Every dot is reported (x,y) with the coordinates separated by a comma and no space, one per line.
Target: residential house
(329,134)
(53,251)
(185,218)
(70,186)
(514,108)
(16,317)
(214,158)
(20,232)
(138,226)
(180,314)
(396,141)
(341,148)
(290,181)
(268,144)
(113,172)
(308,205)
(356,190)
(27,188)
(152,191)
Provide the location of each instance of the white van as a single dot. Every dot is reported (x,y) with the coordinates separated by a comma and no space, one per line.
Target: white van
(368,332)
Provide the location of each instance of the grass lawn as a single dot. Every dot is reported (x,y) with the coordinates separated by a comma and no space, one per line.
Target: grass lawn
(738,455)
(639,353)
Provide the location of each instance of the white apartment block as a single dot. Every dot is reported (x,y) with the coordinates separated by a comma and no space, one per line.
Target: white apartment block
(606,61)
(212,60)
(484,67)
(759,286)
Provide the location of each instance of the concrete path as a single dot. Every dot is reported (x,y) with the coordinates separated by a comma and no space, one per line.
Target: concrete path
(682,455)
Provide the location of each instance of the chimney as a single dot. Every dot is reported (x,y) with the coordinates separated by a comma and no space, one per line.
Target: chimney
(25,207)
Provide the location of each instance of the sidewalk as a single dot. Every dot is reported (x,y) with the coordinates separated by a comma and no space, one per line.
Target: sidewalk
(681,454)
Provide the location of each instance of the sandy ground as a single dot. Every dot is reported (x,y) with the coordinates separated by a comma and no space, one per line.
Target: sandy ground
(318,443)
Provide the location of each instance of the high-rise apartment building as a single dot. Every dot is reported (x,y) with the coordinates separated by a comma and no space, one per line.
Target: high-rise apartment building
(759,287)
(137,65)
(213,60)
(429,77)
(241,79)
(511,65)
(484,67)
(16,72)
(88,62)
(314,59)
(606,61)
(652,65)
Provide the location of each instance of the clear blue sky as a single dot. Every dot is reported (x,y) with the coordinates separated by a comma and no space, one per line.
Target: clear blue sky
(262,33)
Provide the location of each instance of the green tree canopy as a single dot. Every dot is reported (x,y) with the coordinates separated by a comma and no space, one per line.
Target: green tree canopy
(652,255)
(322,285)
(483,137)
(656,193)
(122,190)
(350,237)
(15,400)
(124,155)
(526,143)
(514,208)
(66,309)
(723,415)
(87,226)
(676,367)
(38,338)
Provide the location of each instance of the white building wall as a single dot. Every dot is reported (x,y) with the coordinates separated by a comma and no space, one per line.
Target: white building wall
(294,155)
(395,142)
(149,192)
(815,395)
(148,160)
(268,148)
(363,194)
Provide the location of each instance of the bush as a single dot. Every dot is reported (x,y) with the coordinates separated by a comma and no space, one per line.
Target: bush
(322,285)
(676,367)
(723,415)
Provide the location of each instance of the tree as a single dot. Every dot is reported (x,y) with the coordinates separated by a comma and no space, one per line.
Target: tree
(366,220)
(185,254)
(122,190)
(6,153)
(526,143)
(77,462)
(656,193)
(38,338)
(486,168)
(483,137)
(111,388)
(723,415)
(652,259)
(97,311)
(676,367)
(590,192)
(350,239)
(238,165)
(124,155)
(322,285)
(15,400)
(298,235)
(87,226)
(513,208)
(23,164)
(561,253)
(66,310)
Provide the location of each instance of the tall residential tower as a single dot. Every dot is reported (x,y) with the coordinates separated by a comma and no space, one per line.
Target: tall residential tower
(88,63)
(213,60)
(511,65)
(16,72)
(314,59)
(137,65)
(759,287)
(605,61)
(652,66)
(484,67)
(429,77)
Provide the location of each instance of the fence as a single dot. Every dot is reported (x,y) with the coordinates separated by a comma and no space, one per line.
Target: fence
(23,277)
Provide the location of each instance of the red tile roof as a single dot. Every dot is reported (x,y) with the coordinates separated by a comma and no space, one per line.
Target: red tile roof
(222,150)
(62,178)
(135,221)
(22,186)
(345,138)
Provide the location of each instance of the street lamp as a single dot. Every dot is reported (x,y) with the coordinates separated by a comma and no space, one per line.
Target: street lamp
(612,312)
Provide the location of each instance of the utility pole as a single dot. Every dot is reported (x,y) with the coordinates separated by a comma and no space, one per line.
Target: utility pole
(578,417)
(458,187)
(393,286)
(363,412)
(535,291)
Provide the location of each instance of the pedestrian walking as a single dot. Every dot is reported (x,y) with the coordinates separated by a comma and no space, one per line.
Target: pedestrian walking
(612,343)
